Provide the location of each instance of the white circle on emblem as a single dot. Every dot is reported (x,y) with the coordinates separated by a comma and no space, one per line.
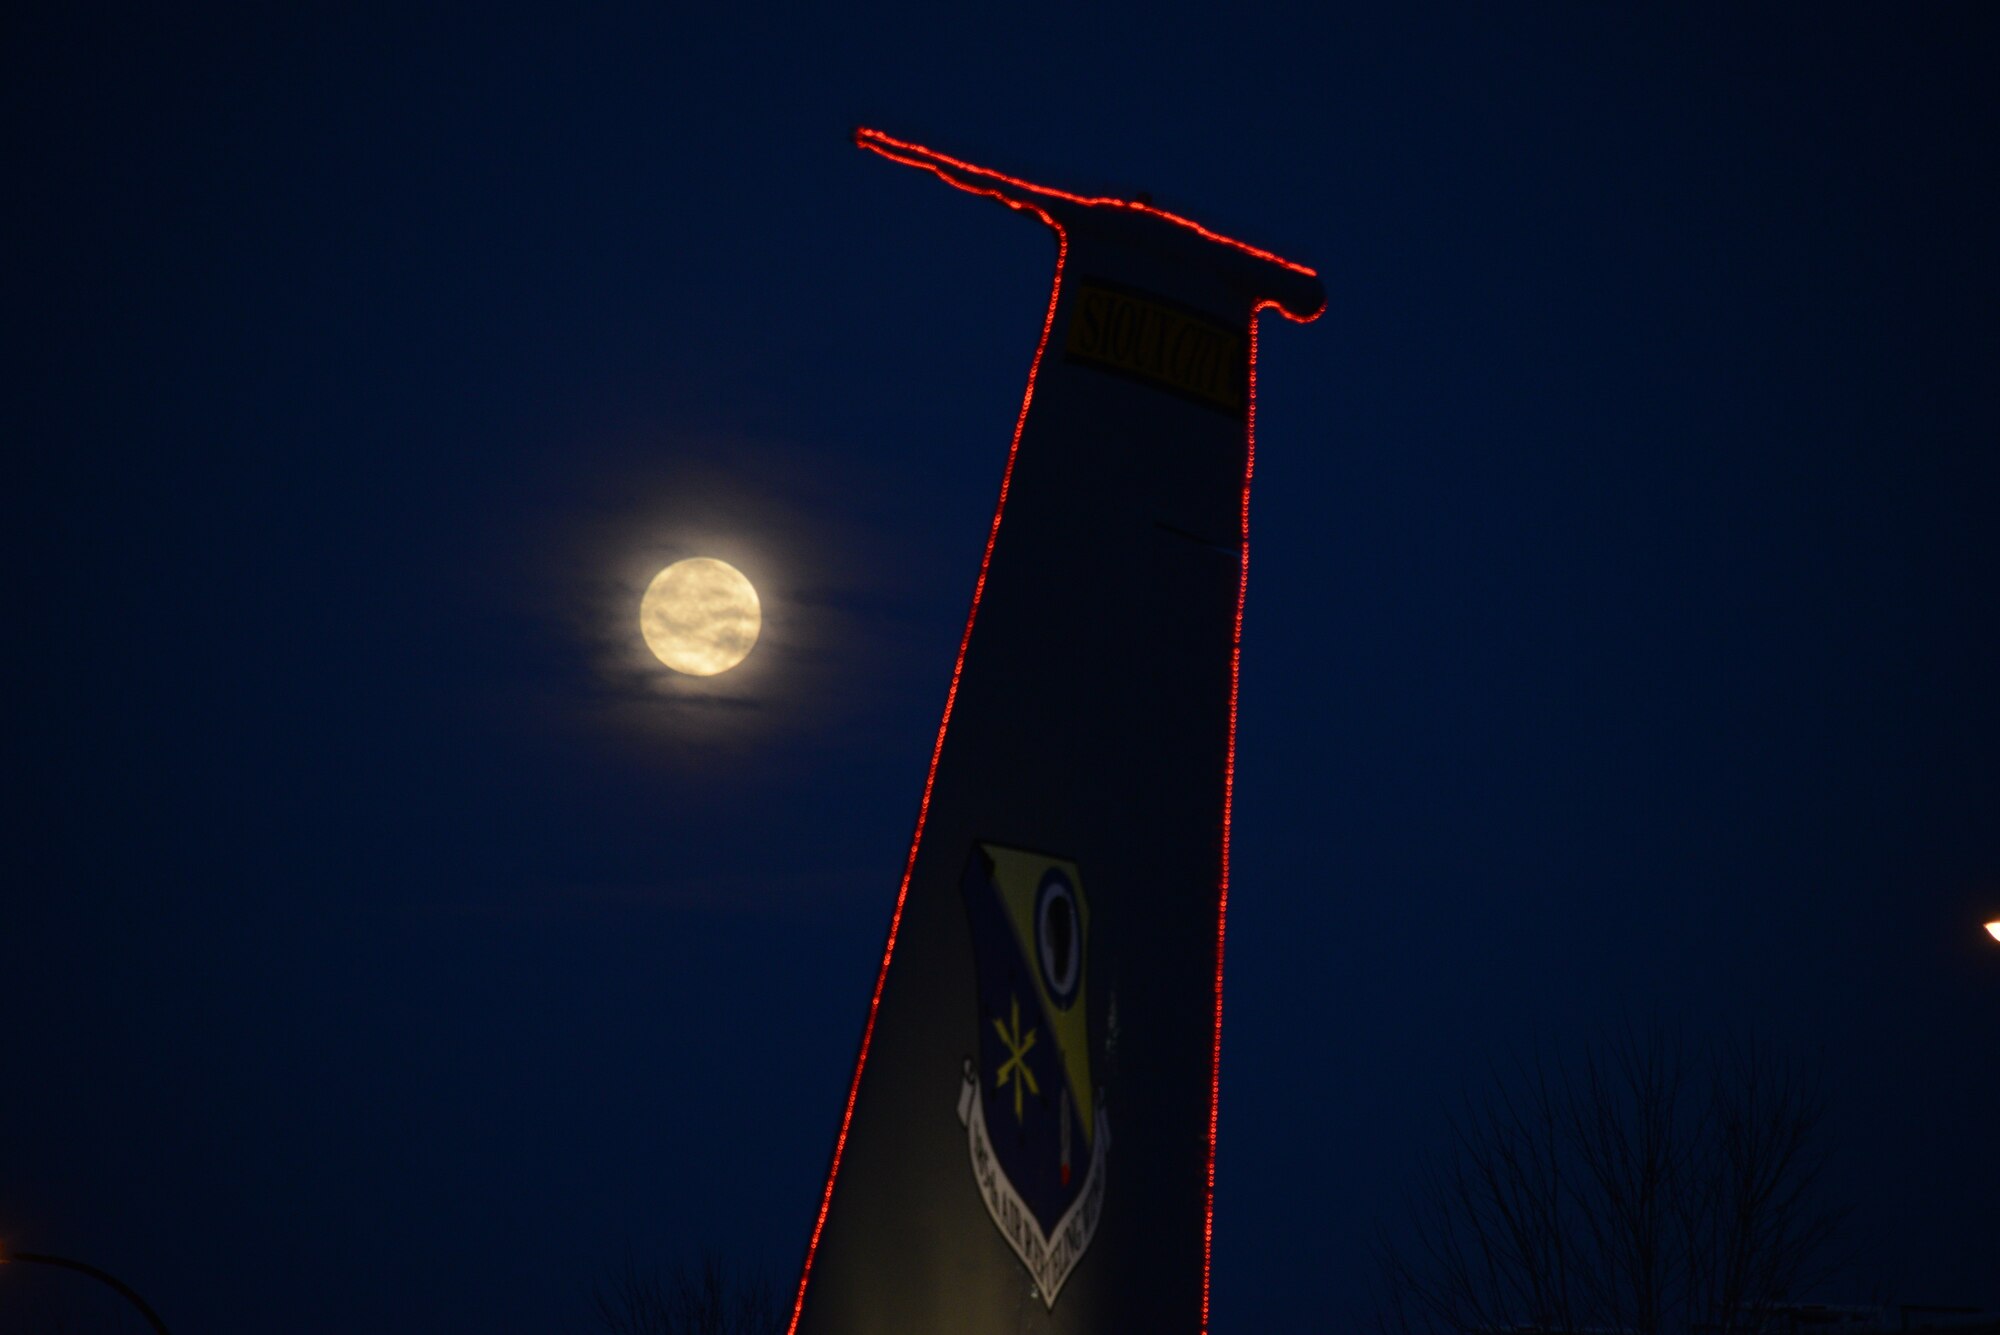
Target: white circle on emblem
(1059,938)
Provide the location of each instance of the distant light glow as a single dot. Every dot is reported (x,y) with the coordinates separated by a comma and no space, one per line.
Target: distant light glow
(1993,929)
(700,616)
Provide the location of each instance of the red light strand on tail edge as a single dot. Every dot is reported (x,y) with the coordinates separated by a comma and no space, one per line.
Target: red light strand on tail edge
(919,156)
(1229,803)
(944,723)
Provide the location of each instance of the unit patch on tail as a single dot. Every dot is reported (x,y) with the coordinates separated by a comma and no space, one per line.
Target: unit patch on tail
(1035,1125)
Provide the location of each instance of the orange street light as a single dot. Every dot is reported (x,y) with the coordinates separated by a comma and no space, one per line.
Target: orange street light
(1993,929)
(125,1291)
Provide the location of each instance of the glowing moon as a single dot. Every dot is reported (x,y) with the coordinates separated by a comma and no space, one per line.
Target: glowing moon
(700,616)
(1993,929)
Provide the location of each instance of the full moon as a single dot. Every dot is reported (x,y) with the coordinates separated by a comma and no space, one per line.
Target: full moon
(700,616)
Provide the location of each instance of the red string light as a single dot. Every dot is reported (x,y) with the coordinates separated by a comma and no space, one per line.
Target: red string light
(944,723)
(943,166)
(1229,800)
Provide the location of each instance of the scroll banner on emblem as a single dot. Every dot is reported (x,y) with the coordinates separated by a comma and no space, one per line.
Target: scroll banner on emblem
(1054,957)
(1051,1255)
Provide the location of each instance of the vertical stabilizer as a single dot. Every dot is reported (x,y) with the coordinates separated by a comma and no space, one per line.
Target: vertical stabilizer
(1028,1142)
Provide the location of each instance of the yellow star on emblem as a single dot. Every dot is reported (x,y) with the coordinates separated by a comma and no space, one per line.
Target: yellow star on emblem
(1016,1065)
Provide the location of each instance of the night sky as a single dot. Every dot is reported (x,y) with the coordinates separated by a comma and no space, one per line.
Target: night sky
(386,946)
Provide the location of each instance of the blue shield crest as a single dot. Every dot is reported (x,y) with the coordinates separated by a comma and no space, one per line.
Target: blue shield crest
(1036,1131)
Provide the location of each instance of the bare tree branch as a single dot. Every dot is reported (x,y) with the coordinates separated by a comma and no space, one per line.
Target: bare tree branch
(706,1300)
(1638,1190)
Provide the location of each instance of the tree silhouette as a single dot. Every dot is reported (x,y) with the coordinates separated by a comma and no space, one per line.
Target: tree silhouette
(710,1299)
(1640,1190)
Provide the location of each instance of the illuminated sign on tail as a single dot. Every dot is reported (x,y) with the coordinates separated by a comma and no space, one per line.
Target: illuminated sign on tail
(1054,963)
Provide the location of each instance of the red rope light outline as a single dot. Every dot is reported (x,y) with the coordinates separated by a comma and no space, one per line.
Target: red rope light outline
(943,167)
(950,701)
(1229,801)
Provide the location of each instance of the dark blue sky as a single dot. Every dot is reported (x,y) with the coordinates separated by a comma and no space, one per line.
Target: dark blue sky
(384,949)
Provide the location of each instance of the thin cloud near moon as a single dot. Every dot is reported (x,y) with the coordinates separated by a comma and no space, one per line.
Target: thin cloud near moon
(845,622)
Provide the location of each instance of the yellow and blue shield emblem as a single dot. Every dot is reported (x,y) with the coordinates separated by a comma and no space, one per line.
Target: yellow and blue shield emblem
(1035,1124)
